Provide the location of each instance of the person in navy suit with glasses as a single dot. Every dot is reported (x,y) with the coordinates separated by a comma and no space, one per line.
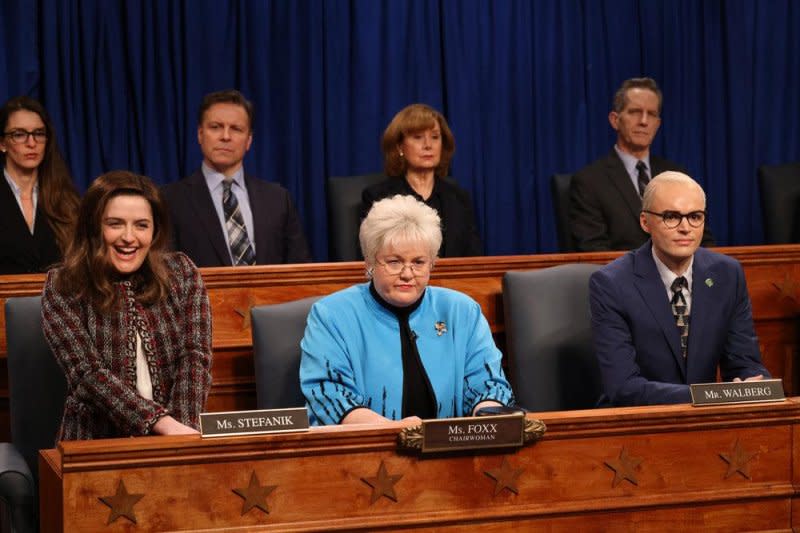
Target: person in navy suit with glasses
(669,313)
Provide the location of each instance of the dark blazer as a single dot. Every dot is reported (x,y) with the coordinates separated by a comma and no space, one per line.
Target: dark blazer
(637,342)
(604,205)
(460,236)
(21,252)
(197,232)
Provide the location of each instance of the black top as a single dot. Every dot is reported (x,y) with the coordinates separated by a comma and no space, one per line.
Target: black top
(20,251)
(460,236)
(418,397)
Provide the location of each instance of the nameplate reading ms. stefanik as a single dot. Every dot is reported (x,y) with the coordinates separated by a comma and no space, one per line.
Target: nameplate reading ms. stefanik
(253,422)
(765,390)
(480,432)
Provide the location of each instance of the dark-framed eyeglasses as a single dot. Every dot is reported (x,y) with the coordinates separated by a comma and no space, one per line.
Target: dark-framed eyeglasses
(21,136)
(672,219)
(395,267)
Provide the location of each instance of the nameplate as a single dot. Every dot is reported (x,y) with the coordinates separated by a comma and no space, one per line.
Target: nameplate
(451,434)
(253,422)
(766,390)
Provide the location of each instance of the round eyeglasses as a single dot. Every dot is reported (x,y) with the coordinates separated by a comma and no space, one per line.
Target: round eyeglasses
(673,219)
(395,267)
(21,136)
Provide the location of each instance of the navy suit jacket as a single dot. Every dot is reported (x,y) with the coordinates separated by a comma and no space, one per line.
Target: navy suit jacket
(197,232)
(637,342)
(604,205)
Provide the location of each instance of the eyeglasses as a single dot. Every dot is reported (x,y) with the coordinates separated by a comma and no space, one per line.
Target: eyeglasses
(21,136)
(673,219)
(395,267)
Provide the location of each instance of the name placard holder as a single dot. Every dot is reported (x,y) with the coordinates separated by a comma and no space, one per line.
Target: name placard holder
(766,390)
(229,423)
(471,433)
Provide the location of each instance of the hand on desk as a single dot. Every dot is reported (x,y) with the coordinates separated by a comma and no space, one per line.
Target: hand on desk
(167,425)
(753,378)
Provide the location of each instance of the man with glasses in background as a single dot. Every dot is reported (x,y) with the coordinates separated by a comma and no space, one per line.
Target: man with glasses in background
(668,314)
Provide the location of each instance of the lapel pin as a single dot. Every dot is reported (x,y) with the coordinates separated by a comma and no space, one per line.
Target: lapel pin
(441,328)
(709,282)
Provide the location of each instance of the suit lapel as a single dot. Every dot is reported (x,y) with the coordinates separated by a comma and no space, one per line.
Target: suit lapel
(259,223)
(648,283)
(206,214)
(702,303)
(620,179)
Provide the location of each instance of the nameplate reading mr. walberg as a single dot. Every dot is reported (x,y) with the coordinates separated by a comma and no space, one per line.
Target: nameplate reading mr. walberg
(767,390)
(450,434)
(253,422)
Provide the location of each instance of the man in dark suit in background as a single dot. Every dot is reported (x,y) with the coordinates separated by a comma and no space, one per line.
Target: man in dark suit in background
(605,197)
(221,216)
(668,314)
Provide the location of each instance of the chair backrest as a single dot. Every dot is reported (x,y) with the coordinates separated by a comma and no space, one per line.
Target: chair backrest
(277,332)
(37,387)
(344,203)
(548,334)
(559,188)
(780,197)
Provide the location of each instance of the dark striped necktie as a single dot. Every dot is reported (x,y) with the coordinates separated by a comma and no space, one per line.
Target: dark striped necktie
(642,178)
(241,249)
(680,311)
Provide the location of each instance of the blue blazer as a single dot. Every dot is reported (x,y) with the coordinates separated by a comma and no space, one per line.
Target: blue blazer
(637,343)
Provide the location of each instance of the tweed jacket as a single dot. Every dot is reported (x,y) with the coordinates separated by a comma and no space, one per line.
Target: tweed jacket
(98,355)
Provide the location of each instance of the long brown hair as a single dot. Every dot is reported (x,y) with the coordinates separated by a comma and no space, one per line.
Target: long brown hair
(87,272)
(414,119)
(58,197)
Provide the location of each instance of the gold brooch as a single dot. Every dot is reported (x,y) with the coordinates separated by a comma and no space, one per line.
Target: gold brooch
(441,328)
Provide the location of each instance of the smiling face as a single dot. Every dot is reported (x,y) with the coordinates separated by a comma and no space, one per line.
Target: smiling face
(405,288)
(638,121)
(26,156)
(128,229)
(674,247)
(225,137)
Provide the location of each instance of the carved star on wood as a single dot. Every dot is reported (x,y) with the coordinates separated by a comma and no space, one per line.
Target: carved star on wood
(244,312)
(624,467)
(121,503)
(382,484)
(788,288)
(255,494)
(505,477)
(738,460)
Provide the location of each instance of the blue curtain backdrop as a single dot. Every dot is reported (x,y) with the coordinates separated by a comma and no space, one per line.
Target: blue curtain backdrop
(526,86)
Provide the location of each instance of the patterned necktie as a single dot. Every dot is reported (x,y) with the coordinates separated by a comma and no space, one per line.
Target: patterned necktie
(643,178)
(680,312)
(241,249)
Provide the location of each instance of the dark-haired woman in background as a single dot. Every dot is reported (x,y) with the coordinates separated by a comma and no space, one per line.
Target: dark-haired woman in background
(128,322)
(38,201)
(417,148)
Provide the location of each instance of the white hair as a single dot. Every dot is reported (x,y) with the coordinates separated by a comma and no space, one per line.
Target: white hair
(399,219)
(668,177)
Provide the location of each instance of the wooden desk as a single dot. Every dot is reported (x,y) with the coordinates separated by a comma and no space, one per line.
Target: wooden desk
(677,477)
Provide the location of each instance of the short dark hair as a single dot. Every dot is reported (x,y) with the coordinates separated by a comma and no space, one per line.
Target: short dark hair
(621,96)
(228,96)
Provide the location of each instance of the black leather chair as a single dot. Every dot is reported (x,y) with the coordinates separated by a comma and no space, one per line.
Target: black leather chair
(548,334)
(37,391)
(277,331)
(559,189)
(344,203)
(780,202)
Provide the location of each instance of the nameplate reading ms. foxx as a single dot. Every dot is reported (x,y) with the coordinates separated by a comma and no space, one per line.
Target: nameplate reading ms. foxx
(450,434)
(253,422)
(765,390)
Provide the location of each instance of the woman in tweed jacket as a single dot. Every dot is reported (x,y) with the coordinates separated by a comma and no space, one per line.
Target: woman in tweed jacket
(128,322)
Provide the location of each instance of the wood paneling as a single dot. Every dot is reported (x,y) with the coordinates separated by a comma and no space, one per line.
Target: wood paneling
(681,481)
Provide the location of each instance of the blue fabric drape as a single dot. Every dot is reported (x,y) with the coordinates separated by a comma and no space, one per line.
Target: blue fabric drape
(526,87)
